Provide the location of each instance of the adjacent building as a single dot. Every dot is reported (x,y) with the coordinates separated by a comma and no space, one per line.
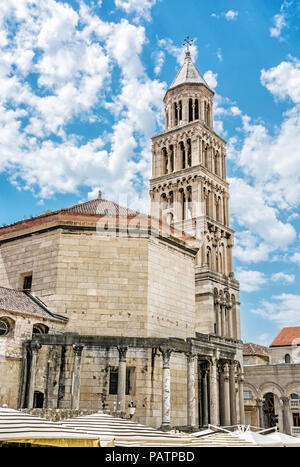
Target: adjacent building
(272,382)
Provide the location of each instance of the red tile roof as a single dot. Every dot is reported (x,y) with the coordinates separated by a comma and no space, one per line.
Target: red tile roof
(287,336)
(101,207)
(254,349)
(17,301)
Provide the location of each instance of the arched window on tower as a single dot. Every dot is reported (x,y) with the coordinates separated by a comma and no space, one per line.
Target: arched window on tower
(208,257)
(189,153)
(196,109)
(183,201)
(216,164)
(180,111)
(175,114)
(171,149)
(182,148)
(190,110)
(165,161)
(189,203)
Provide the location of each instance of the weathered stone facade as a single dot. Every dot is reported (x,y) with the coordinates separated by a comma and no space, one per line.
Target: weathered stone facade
(149,306)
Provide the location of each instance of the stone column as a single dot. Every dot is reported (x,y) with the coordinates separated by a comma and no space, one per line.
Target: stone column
(204,373)
(241,399)
(191,395)
(166,388)
(286,415)
(75,393)
(121,379)
(214,403)
(233,414)
(34,348)
(259,403)
(226,396)
(221,392)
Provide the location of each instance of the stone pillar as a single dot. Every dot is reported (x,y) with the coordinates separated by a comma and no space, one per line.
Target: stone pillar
(75,393)
(166,388)
(241,399)
(34,348)
(204,372)
(214,403)
(221,393)
(233,414)
(226,396)
(259,403)
(121,379)
(191,395)
(286,415)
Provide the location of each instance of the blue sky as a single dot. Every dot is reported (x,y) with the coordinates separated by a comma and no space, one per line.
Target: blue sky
(81,88)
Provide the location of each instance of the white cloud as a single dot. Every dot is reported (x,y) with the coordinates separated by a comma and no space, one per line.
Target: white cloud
(77,54)
(283,278)
(296,258)
(219,55)
(279,24)
(178,52)
(211,79)
(264,339)
(250,281)
(231,15)
(283,309)
(250,211)
(280,20)
(140,7)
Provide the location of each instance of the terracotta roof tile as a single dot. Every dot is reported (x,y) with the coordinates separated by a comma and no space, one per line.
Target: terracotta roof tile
(287,336)
(254,349)
(101,207)
(17,301)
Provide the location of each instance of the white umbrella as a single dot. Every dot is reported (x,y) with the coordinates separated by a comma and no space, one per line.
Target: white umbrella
(127,433)
(287,440)
(259,440)
(16,426)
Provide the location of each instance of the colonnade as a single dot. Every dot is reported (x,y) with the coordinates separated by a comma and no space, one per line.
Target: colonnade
(216,384)
(185,109)
(181,153)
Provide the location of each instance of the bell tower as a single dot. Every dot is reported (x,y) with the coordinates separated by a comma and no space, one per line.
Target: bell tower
(189,190)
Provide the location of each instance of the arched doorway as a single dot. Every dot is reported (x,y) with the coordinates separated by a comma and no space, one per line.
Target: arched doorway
(269,409)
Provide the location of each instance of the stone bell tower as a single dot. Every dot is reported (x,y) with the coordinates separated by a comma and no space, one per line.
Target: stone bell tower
(189,191)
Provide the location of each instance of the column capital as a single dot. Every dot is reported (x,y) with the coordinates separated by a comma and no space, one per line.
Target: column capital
(166,354)
(35,346)
(190,356)
(122,353)
(259,402)
(285,400)
(78,348)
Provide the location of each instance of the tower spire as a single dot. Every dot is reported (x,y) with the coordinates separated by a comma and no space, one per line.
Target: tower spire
(188,43)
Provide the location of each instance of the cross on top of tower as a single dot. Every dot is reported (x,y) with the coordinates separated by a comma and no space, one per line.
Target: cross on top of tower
(188,42)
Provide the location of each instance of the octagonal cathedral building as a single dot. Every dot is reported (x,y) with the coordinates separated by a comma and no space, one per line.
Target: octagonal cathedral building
(101,305)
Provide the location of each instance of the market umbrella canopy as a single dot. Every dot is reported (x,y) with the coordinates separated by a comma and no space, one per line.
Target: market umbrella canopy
(130,434)
(287,440)
(258,439)
(16,426)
